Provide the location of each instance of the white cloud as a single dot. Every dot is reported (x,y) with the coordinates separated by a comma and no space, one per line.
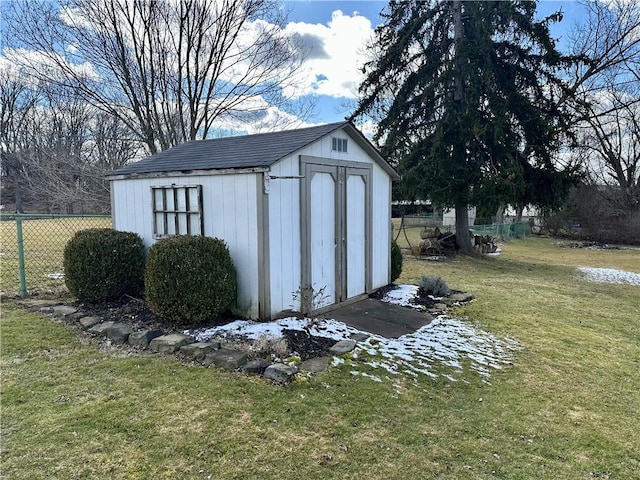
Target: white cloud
(255,115)
(336,54)
(51,63)
(268,119)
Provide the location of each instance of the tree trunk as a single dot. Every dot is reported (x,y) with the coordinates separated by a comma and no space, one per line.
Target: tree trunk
(463,239)
(500,214)
(18,199)
(519,211)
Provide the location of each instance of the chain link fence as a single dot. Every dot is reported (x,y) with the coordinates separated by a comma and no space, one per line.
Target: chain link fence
(407,230)
(32,246)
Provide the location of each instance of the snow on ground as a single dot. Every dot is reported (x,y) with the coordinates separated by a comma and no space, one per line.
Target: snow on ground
(610,275)
(447,342)
(403,295)
(253,330)
(443,347)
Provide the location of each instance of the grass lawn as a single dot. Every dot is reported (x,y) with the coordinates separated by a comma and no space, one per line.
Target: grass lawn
(568,408)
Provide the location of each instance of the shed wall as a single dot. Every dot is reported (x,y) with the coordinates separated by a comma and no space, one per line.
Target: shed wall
(284,221)
(229,204)
(284,235)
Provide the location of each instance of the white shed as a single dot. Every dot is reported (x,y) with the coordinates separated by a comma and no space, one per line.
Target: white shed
(305,213)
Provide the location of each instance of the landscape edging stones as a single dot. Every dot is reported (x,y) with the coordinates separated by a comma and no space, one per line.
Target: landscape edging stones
(143,338)
(170,343)
(157,341)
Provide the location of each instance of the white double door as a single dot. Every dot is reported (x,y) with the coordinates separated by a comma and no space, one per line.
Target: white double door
(337,227)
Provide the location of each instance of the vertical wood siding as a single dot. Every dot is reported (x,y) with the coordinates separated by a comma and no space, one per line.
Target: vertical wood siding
(284,222)
(381,227)
(323,239)
(284,235)
(356,234)
(229,209)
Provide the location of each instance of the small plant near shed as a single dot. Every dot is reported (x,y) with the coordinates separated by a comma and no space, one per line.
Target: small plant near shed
(396,261)
(101,264)
(189,279)
(435,286)
(310,298)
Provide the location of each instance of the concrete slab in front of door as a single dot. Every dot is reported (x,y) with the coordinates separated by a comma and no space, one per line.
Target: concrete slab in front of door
(385,319)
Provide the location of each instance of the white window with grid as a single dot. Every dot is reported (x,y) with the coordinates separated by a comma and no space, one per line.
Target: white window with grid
(339,144)
(177,210)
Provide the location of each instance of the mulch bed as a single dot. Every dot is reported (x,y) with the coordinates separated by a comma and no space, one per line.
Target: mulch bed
(135,313)
(305,345)
(421,299)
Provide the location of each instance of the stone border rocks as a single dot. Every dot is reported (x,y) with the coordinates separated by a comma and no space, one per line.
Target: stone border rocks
(160,342)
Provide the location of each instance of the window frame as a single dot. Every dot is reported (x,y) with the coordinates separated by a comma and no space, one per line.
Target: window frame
(339,144)
(178,213)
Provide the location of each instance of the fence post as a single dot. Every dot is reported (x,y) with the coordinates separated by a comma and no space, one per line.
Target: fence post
(23,277)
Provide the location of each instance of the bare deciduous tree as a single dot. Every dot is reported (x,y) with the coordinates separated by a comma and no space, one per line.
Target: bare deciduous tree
(609,144)
(607,98)
(56,148)
(608,39)
(18,101)
(166,69)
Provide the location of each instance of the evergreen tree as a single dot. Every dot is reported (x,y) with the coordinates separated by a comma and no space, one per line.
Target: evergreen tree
(465,95)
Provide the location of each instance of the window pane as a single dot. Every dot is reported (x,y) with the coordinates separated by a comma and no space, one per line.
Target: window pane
(177,210)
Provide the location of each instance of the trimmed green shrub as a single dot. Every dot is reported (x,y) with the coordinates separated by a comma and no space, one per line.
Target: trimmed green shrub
(435,286)
(101,264)
(189,279)
(396,261)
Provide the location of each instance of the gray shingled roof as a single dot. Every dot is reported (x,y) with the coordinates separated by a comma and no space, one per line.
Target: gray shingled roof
(247,151)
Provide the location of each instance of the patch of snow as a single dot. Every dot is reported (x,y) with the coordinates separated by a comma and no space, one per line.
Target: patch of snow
(610,275)
(249,329)
(444,347)
(445,342)
(336,361)
(403,295)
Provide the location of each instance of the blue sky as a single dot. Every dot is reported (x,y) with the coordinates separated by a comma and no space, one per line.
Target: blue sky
(340,29)
(336,32)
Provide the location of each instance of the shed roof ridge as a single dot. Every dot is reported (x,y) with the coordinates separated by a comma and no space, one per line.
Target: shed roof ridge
(258,150)
(254,135)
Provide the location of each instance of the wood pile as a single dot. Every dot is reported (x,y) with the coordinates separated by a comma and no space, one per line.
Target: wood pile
(434,242)
(484,244)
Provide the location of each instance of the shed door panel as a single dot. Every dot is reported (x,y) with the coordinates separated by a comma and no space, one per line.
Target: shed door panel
(355,235)
(323,239)
(336,229)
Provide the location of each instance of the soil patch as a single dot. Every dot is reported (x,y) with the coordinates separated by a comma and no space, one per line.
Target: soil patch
(421,298)
(136,313)
(305,345)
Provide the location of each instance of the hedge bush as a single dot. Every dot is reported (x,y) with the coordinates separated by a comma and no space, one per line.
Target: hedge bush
(396,261)
(101,264)
(189,279)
